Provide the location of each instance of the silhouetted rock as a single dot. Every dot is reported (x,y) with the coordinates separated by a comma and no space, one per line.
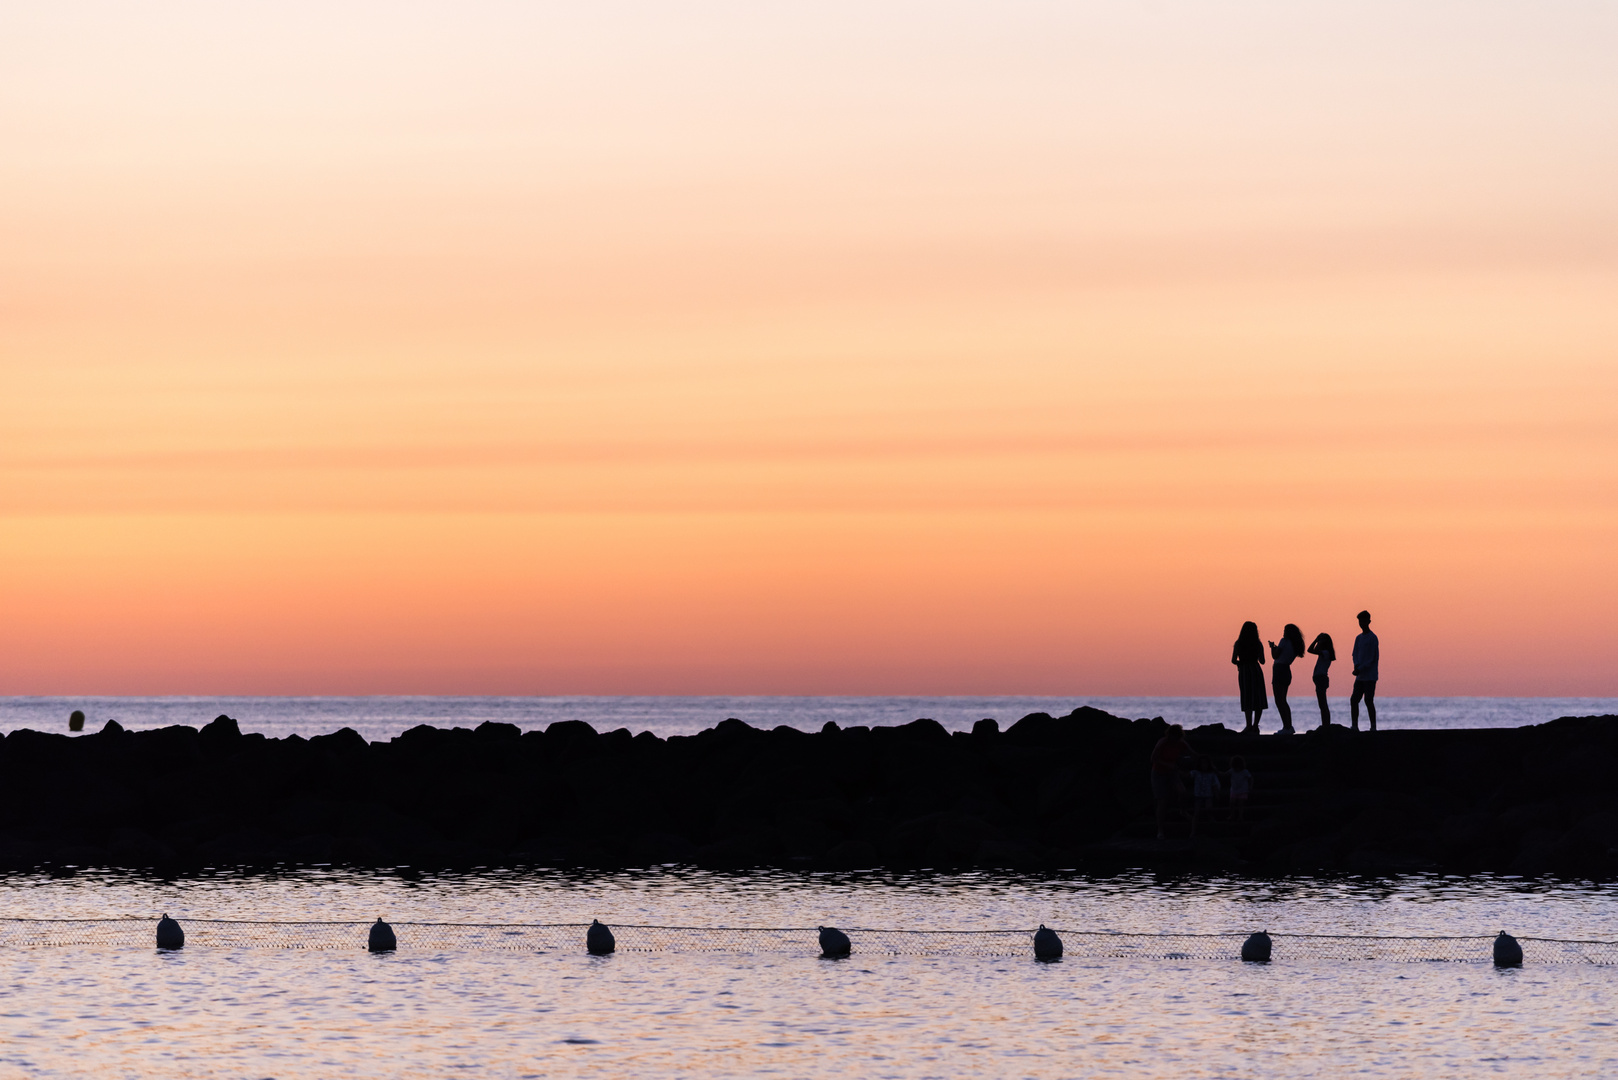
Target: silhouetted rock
(382,938)
(1052,792)
(834,943)
(1256,949)
(1047,946)
(1507,952)
(222,729)
(598,940)
(169,934)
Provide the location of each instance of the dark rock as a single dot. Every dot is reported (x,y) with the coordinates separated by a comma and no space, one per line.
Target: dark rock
(1047,946)
(987,728)
(598,940)
(222,729)
(169,934)
(570,734)
(381,938)
(1256,949)
(834,943)
(1048,792)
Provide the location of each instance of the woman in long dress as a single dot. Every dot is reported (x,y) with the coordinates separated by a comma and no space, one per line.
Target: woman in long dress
(1248,656)
(1290,649)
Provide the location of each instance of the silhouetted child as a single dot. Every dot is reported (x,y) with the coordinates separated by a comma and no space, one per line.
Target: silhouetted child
(1241,786)
(1204,789)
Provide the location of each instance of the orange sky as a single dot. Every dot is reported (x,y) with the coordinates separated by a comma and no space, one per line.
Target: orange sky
(846,348)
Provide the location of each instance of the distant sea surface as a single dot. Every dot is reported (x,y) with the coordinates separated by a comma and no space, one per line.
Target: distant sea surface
(381,718)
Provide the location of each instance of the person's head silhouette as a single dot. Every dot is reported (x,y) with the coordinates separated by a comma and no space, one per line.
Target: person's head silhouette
(1365,620)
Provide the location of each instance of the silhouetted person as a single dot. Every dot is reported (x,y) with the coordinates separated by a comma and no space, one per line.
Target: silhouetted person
(1166,787)
(1248,656)
(1290,649)
(1241,786)
(1204,789)
(1366,654)
(1325,653)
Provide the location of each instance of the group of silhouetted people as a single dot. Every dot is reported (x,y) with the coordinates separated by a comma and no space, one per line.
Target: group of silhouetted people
(1168,763)
(1248,656)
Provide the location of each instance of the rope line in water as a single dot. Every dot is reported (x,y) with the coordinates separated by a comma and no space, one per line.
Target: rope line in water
(426,936)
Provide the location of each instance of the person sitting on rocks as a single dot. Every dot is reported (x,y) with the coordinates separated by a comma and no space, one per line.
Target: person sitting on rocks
(1204,789)
(1166,785)
(1241,786)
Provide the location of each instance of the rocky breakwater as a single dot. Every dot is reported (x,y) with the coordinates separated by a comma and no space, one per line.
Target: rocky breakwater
(1048,793)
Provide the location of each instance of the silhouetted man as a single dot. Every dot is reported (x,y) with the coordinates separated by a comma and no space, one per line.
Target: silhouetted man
(1366,654)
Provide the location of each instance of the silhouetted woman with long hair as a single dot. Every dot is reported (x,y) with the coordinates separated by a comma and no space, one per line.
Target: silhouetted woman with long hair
(1248,656)
(1325,654)
(1290,649)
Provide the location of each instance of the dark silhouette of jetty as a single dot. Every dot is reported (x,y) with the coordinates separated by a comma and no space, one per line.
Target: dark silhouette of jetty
(1049,793)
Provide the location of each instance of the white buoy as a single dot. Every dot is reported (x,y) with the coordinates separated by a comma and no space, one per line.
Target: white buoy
(382,938)
(599,940)
(834,943)
(1507,952)
(1256,948)
(169,934)
(1047,946)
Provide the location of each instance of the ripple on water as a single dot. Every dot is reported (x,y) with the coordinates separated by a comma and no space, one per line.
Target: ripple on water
(74,1011)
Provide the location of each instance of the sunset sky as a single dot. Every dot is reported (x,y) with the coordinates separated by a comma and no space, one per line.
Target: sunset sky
(805,348)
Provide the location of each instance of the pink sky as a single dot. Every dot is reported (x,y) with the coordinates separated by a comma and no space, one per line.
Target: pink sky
(866,348)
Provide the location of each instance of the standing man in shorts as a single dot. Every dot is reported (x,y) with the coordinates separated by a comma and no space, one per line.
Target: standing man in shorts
(1366,654)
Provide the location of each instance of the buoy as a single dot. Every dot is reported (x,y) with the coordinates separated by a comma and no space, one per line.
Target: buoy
(1047,946)
(834,943)
(1257,948)
(599,940)
(1507,953)
(75,720)
(382,938)
(169,934)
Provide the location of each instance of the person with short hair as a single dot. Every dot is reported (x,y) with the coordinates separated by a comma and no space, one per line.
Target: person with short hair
(1248,656)
(1367,654)
(1166,786)
(1325,653)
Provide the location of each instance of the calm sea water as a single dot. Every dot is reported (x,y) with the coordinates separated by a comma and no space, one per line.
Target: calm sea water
(226,1012)
(381,718)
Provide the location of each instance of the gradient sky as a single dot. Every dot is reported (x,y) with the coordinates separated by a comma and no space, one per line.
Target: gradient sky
(814,348)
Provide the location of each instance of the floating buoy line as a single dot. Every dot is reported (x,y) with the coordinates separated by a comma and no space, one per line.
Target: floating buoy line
(596,938)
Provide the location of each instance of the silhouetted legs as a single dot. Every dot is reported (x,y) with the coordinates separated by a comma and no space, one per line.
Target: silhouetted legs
(1363,688)
(1325,710)
(1282,708)
(1253,716)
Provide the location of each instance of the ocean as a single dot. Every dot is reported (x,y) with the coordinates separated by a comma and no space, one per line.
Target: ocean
(383,717)
(126,1009)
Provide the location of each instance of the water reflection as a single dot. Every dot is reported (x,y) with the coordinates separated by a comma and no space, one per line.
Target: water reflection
(284,1013)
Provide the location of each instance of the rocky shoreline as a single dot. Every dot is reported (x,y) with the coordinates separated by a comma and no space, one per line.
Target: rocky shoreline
(1049,793)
